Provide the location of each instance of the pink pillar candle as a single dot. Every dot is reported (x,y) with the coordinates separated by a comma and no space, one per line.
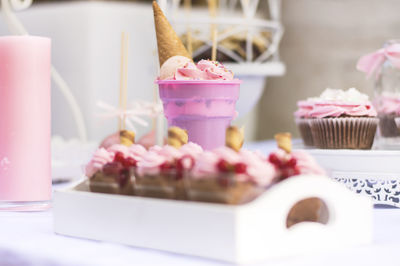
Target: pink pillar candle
(25,132)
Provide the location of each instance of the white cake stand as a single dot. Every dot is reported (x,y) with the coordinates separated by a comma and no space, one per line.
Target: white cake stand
(371,172)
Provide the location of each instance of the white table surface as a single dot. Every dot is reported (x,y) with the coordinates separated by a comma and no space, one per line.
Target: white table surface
(28,239)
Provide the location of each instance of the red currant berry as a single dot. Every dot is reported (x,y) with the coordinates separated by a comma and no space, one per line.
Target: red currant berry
(291,162)
(240,168)
(273,158)
(165,166)
(119,157)
(223,166)
(129,162)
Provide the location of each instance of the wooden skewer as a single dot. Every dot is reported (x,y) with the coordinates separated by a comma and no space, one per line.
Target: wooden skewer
(123,79)
(189,44)
(212,9)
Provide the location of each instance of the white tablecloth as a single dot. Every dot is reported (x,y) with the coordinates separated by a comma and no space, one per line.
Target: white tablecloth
(28,239)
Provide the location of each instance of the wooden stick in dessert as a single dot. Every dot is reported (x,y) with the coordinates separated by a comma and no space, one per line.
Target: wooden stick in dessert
(123,79)
(168,42)
(284,141)
(177,137)
(212,8)
(189,43)
(234,138)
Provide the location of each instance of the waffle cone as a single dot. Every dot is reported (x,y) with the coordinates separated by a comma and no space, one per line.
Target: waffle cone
(168,42)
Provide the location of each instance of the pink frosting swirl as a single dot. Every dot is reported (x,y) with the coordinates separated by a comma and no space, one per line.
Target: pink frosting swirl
(99,159)
(204,70)
(304,109)
(119,148)
(228,155)
(136,151)
(170,153)
(205,165)
(192,149)
(259,170)
(150,164)
(337,109)
(306,164)
(254,166)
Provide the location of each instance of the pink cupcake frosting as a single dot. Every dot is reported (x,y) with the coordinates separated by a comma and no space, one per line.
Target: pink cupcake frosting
(260,173)
(205,165)
(170,153)
(328,109)
(304,108)
(307,164)
(228,155)
(99,159)
(119,148)
(191,149)
(136,151)
(204,70)
(294,163)
(247,166)
(150,164)
(336,103)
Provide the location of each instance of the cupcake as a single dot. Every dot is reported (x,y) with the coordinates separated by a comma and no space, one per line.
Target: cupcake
(302,117)
(388,107)
(343,120)
(229,177)
(289,164)
(110,170)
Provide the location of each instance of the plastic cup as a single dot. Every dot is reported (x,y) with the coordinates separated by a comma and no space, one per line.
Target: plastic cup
(204,108)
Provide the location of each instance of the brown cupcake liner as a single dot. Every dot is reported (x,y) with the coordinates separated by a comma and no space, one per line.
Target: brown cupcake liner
(305,131)
(387,125)
(344,132)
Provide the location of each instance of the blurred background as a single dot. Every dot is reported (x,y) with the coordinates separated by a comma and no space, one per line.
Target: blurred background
(319,48)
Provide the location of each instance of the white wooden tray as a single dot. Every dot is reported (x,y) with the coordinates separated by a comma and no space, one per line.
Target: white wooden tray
(241,234)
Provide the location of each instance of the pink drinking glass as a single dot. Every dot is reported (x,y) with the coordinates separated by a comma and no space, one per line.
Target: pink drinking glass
(25,161)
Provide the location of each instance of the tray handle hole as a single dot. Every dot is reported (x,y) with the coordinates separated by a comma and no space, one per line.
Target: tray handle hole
(308,210)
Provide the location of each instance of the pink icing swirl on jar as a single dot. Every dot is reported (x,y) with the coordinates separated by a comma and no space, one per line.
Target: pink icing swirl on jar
(388,104)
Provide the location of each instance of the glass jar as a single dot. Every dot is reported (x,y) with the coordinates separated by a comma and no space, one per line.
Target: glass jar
(387,98)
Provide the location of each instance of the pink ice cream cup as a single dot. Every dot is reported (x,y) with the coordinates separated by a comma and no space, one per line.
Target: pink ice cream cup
(205,108)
